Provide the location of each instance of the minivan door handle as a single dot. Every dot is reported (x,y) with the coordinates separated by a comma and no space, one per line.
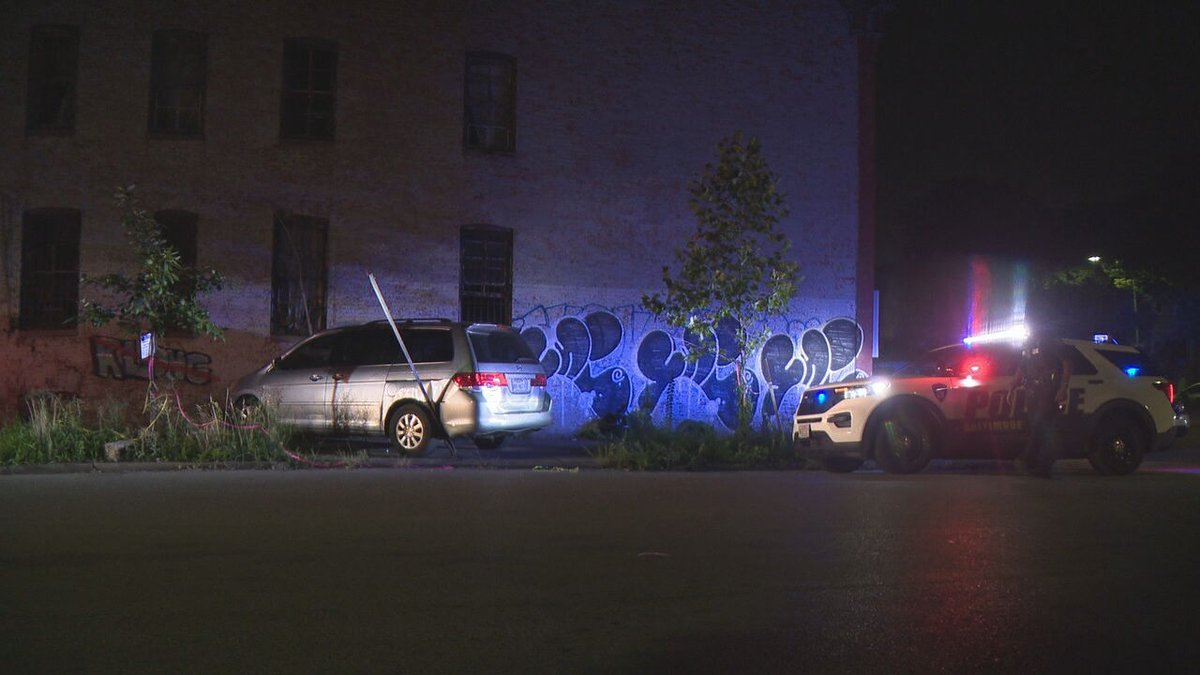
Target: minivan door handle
(315,377)
(1095,381)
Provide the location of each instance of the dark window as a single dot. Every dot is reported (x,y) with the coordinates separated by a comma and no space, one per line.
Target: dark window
(428,345)
(485,287)
(314,353)
(49,268)
(177,82)
(179,231)
(309,89)
(374,346)
(1131,363)
(53,68)
(500,346)
(298,275)
(490,116)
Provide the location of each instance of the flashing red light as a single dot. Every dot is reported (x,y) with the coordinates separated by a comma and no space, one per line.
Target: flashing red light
(1167,387)
(974,368)
(468,380)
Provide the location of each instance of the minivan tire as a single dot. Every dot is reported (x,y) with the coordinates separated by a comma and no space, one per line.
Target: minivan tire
(409,430)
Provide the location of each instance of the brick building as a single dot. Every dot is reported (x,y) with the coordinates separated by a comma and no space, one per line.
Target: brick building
(519,162)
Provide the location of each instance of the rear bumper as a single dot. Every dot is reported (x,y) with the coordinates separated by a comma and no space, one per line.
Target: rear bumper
(474,415)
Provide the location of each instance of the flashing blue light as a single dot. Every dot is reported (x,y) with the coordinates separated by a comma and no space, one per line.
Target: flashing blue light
(822,397)
(1132,371)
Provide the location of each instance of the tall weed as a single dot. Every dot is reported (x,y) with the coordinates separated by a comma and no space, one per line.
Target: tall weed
(643,446)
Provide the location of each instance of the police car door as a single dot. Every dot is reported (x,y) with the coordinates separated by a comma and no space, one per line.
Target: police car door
(982,411)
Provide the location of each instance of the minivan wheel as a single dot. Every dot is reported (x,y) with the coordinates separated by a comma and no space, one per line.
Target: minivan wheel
(409,430)
(490,442)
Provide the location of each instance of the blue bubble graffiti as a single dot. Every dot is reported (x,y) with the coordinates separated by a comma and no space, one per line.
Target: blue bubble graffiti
(598,358)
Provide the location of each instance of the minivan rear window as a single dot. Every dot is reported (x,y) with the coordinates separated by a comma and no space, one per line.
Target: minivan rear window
(500,346)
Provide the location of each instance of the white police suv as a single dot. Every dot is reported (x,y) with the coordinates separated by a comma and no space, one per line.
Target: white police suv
(966,401)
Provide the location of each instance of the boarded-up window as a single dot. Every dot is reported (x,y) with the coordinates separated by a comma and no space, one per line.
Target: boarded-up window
(53,68)
(485,279)
(49,268)
(178,73)
(309,89)
(490,116)
(298,275)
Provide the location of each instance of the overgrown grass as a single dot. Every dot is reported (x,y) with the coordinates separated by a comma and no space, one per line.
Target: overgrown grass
(208,433)
(57,431)
(638,444)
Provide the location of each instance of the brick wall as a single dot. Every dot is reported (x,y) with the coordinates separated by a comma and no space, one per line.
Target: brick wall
(619,104)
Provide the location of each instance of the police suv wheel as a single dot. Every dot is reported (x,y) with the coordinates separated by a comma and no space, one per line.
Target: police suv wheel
(1117,447)
(903,441)
(409,430)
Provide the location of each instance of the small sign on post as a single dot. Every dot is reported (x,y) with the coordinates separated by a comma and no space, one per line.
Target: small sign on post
(148,346)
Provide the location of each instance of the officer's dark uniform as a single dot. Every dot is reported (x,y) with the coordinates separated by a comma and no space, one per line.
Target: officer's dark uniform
(1043,374)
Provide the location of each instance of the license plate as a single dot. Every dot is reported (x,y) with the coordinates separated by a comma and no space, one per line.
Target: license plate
(803,431)
(518,385)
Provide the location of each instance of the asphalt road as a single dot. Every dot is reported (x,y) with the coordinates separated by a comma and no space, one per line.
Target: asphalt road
(434,568)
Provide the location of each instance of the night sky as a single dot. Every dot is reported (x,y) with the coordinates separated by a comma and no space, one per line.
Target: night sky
(1046,130)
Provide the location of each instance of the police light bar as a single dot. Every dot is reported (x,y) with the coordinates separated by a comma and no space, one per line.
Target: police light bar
(1017,333)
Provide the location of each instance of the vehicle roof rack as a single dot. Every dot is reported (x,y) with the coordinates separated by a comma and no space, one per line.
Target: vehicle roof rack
(417,320)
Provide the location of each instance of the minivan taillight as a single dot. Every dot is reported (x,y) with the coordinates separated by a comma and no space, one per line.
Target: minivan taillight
(1167,387)
(467,380)
(538,380)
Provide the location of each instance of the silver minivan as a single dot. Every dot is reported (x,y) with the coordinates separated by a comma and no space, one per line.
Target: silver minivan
(484,382)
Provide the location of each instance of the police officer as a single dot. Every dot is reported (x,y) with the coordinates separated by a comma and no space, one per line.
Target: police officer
(1044,373)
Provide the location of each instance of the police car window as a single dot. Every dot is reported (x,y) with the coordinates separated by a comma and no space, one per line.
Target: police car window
(1003,361)
(1132,363)
(1078,362)
(943,362)
(315,353)
(428,345)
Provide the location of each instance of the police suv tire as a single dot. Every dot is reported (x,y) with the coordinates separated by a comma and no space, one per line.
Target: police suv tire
(409,430)
(903,441)
(840,464)
(1117,446)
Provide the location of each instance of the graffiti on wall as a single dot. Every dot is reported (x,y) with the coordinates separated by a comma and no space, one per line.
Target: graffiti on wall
(610,361)
(121,360)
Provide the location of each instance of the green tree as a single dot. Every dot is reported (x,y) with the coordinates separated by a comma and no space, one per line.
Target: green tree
(733,269)
(1141,284)
(163,295)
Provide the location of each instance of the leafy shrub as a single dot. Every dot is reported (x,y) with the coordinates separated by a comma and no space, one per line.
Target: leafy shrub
(643,446)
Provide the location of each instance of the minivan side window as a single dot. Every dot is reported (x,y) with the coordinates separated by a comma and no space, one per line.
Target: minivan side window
(428,345)
(316,353)
(371,347)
